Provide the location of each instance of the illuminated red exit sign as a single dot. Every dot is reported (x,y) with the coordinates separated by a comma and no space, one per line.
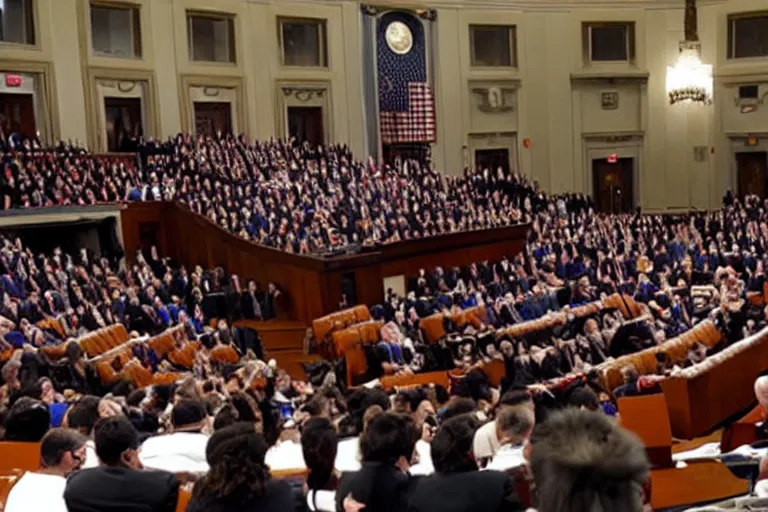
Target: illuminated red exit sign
(613,158)
(13,80)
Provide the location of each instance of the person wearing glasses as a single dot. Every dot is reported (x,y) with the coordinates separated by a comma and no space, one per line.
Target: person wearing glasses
(62,452)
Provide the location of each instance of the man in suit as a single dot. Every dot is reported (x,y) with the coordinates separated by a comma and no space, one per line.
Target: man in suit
(120,484)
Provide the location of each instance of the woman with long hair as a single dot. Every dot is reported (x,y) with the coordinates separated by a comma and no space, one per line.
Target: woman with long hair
(319,443)
(239,480)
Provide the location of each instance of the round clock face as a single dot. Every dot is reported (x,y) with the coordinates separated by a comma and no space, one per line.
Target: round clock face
(399,37)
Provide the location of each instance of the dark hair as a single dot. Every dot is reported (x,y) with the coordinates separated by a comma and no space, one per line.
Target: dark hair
(135,398)
(389,437)
(57,442)
(514,397)
(187,412)
(584,397)
(441,394)
(113,436)
(452,445)
(607,472)
(246,407)
(458,407)
(84,414)
(237,472)
(28,420)
(319,444)
(515,421)
(226,416)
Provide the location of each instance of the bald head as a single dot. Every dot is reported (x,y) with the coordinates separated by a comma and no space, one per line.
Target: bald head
(761,391)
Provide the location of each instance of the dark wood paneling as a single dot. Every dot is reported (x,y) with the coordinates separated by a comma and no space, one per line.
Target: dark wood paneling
(312,284)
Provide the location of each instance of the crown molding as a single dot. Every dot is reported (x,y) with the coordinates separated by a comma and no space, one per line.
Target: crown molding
(513,5)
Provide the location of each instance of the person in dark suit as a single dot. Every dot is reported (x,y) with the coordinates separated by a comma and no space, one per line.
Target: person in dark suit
(239,480)
(457,485)
(120,484)
(383,483)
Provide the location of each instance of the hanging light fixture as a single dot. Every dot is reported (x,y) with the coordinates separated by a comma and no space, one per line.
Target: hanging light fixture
(690,80)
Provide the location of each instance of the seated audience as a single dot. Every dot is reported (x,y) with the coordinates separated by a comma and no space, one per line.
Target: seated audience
(457,485)
(62,452)
(120,483)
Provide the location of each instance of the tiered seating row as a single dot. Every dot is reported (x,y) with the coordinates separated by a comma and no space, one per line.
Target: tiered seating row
(645,362)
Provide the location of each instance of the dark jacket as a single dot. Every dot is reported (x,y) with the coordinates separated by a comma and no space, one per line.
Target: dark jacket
(487,491)
(120,489)
(381,487)
(280,497)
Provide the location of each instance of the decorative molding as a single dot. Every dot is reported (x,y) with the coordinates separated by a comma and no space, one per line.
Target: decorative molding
(610,76)
(609,100)
(125,86)
(211,91)
(376,10)
(303,93)
(495,99)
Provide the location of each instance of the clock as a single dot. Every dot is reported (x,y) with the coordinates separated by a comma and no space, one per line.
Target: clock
(399,37)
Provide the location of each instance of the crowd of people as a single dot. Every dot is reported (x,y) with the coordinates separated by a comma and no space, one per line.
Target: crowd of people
(279,193)
(225,431)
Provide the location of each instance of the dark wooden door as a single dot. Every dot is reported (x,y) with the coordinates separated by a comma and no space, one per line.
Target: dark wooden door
(751,168)
(306,124)
(123,120)
(17,114)
(492,159)
(612,185)
(212,118)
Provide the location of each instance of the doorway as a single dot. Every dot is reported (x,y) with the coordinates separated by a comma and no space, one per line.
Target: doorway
(751,168)
(213,117)
(123,118)
(306,124)
(492,159)
(17,114)
(612,185)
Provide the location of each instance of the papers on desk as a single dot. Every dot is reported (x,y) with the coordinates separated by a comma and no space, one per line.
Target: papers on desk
(372,384)
(712,451)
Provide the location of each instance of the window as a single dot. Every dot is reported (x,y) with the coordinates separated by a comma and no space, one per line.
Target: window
(303,42)
(211,37)
(748,35)
(115,31)
(493,45)
(17,21)
(608,42)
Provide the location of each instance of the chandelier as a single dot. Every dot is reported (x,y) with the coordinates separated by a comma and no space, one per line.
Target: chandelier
(690,80)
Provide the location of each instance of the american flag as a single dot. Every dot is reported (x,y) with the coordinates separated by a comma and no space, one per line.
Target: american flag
(406,102)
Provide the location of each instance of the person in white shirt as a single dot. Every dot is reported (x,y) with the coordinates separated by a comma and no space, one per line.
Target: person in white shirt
(348,452)
(183,450)
(513,427)
(62,452)
(486,442)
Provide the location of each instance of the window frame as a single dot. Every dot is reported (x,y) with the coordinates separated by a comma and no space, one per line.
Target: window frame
(136,32)
(730,34)
(630,36)
(214,16)
(32,22)
(511,41)
(322,35)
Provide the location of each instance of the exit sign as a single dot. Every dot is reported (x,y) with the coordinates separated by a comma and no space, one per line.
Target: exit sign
(751,141)
(13,80)
(613,158)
